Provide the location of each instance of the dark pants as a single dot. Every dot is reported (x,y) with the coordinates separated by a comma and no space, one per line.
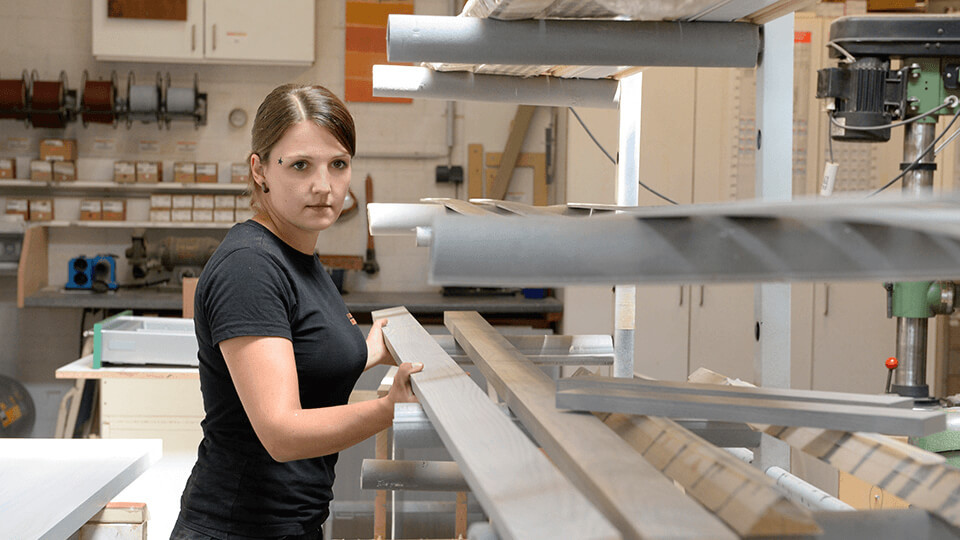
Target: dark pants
(182,532)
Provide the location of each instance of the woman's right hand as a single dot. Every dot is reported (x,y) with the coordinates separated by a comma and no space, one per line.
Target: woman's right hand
(401,391)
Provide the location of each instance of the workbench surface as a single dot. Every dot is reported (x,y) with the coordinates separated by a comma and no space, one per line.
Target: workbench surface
(50,487)
(83,369)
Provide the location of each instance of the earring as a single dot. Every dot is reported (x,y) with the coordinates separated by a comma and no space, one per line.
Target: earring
(264,187)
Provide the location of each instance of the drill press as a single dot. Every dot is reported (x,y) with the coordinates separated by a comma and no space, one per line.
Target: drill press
(867,98)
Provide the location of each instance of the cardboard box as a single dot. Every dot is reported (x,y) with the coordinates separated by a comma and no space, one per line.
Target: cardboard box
(114,210)
(161,200)
(207,173)
(18,207)
(8,168)
(149,171)
(891,5)
(239,173)
(203,202)
(41,171)
(64,171)
(124,172)
(223,215)
(180,202)
(41,209)
(185,172)
(242,214)
(91,209)
(58,149)
(181,215)
(160,215)
(202,215)
(224,202)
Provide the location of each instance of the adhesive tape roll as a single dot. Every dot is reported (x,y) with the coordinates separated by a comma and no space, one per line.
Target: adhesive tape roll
(47,96)
(181,100)
(13,99)
(144,102)
(98,102)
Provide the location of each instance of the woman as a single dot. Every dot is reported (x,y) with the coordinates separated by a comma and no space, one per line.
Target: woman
(279,352)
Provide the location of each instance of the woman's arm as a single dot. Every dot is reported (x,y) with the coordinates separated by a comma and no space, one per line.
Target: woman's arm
(264,372)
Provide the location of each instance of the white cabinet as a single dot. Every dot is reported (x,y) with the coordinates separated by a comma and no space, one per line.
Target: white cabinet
(279,32)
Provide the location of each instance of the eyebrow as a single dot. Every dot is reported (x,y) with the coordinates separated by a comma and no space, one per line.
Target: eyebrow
(294,157)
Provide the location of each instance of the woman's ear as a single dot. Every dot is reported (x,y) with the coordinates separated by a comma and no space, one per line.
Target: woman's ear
(256,168)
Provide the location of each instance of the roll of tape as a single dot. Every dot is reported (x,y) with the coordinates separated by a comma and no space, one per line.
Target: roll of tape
(144,102)
(181,100)
(98,102)
(47,96)
(13,99)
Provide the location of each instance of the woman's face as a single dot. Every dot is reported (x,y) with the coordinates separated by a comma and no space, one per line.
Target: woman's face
(308,176)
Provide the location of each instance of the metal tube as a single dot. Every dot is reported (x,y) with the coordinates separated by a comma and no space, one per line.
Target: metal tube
(628,194)
(805,493)
(910,377)
(421,82)
(412,475)
(917,137)
(469,40)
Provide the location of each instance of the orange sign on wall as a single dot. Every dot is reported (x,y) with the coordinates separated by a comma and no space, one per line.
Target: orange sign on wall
(366,45)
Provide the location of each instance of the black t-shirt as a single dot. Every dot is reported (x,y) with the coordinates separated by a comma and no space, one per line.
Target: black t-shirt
(256,285)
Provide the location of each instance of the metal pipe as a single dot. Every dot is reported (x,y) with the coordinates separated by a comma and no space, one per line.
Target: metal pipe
(805,493)
(385,219)
(421,82)
(412,475)
(917,137)
(910,377)
(470,40)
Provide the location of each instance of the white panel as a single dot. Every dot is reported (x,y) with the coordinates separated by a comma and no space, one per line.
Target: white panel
(247,30)
(155,41)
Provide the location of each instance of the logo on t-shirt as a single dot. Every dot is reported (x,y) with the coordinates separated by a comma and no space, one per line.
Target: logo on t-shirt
(352,320)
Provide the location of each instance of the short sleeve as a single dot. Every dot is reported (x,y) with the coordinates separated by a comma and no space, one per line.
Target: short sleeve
(247,294)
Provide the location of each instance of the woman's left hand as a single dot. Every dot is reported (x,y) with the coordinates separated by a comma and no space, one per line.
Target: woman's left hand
(377,353)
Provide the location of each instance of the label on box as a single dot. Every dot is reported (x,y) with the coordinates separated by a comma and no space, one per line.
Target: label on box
(182,201)
(181,215)
(186,146)
(209,169)
(204,202)
(18,206)
(161,200)
(225,201)
(184,172)
(41,210)
(64,171)
(223,214)
(91,209)
(162,214)
(202,215)
(41,170)
(105,145)
(114,210)
(8,168)
(19,144)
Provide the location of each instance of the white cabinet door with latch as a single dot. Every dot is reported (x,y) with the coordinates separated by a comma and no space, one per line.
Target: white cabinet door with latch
(148,40)
(279,31)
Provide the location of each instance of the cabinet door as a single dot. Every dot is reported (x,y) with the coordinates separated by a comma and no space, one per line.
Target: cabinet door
(722,329)
(852,337)
(254,31)
(662,335)
(148,40)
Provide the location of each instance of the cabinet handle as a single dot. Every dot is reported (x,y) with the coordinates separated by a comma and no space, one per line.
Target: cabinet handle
(826,299)
(701,296)
(193,37)
(681,295)
(214,36)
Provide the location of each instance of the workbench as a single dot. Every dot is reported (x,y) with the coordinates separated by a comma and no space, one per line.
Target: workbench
(428,307)
(50,487)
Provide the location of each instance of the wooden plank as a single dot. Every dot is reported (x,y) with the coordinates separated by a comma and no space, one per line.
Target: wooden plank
(32,270)
(536,160)
(746,392)
(460,518)
(475,178)
(703,469)
(921,478)
(766,411)
(342,262)
(382,451)
(163,10)
(522,492)
(633,494)
(459,206)
(518,132)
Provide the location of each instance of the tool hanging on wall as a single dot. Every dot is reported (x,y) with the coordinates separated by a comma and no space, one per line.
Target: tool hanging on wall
(52,104)
(14,96)
(99,103)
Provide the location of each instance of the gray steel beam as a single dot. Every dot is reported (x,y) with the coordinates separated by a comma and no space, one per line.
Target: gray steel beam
(886,420)
(912,523)
(466,40)
(421,82)
(593,382)
(557,251)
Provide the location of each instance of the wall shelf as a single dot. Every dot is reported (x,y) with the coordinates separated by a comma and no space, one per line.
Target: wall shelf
(134,224)
(88,189)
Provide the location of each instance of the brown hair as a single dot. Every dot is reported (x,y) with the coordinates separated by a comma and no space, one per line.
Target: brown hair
(290,104)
